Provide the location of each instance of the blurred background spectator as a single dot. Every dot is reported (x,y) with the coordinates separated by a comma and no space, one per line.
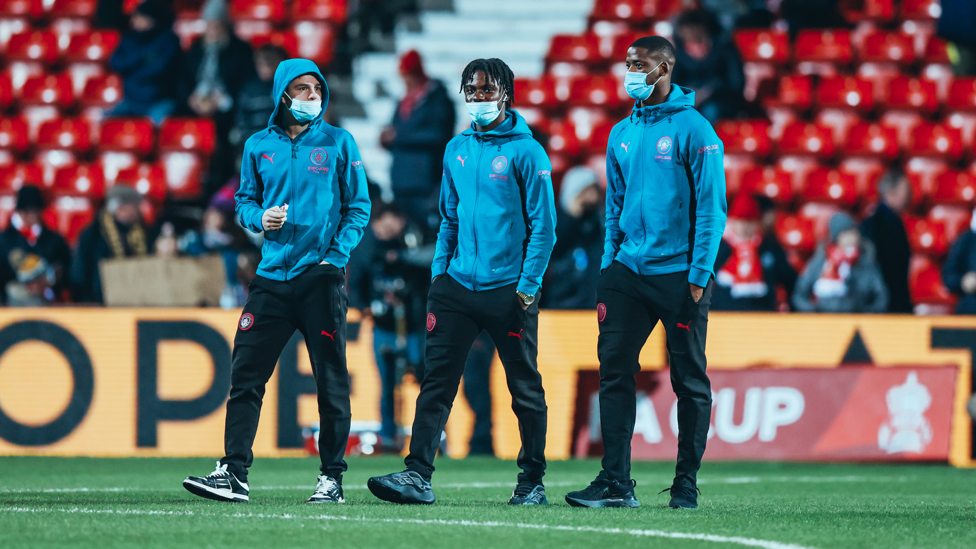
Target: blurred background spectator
(812,14)
(148,60)
(422,125)
(843,276)
(751,269)
(957,24)
(254,104)
(959,270)
(29,248)
(707,62)
(574,268)
(118,231)
(886,230)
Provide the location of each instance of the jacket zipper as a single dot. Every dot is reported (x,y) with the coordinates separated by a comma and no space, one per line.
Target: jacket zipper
(643,226)
(477,192)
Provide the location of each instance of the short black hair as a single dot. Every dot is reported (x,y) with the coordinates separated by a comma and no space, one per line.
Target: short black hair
(656,45)
(700,18)
(891,180)
(495,70)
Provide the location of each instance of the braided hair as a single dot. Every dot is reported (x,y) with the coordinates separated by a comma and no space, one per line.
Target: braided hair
(495,71)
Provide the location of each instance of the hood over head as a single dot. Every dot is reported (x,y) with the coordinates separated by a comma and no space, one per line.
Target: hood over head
(289,70)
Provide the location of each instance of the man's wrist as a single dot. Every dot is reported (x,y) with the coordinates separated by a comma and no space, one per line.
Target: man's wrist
(526,298)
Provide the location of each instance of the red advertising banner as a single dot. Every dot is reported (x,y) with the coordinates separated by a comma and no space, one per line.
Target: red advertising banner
(848,413)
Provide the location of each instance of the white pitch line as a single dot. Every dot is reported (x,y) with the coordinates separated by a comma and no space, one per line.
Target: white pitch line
(748,542)
(460,485)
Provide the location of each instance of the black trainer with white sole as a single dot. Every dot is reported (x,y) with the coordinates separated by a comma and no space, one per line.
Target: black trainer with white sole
(529,493)
(328,490)
(221,485)
(604,492)
(407,487)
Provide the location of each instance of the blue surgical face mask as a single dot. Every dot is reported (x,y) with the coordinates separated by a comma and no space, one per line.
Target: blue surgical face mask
(483,113)
(634,83)
(304,111)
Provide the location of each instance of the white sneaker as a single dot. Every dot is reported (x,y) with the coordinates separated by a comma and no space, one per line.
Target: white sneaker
(221,485)
(328,490)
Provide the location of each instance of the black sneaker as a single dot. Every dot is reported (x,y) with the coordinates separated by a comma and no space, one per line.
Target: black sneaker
(604,492)
(221,485)
(405,487)
(683,496)
(328,490)
(529,493)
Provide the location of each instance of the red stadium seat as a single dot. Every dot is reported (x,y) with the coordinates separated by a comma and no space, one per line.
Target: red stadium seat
(965,122)
(82,180)
(6,91)
(253,17)
(599,136)
(14,177)
(926,236)
(802,138)
(148,179)
(929,294)
(925,170)
(316,41)
(183,170)
(871,140)
(71,134)
(73,9)
(621,43)
(69,215)
(765,46)
(188,134)
(936,140)
(93,46)
(540,92)
(630,11)
(774,184)
(869,10)
(736,166)
(184,144)
(663,9)
(822,51)
(745,136)
(880,75)
(887,47)
(571,48)
(941,75)
(962,95)
(43,98)
(36,46)
(819,213)
(13,135)
(912,94)
(286,40)
(189,29)
(827,186)
(920,10)
(921,186)
(866,173)
(954,188)
(127,134)
(33,9)
(601,91)
(956,219)
(562,139)
(335,11)
(795,233)
(936,51)
(105,92)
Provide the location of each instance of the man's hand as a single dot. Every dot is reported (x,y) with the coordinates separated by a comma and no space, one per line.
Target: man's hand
(521,303)
(696,292)
(969,282)
(274,218)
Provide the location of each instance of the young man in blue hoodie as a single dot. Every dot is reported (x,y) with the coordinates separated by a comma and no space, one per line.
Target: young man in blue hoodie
(666,214)
(496,235)
(303,184)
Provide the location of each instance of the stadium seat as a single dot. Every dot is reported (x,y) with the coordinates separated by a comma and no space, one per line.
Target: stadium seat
(879,74)
(32,9)
(942,76)
(801,138)
(777,185)
(69,215)
(187,134)
(936,51)
(60,143)
(83,10)
(6,91)
(866,173)
(954,188)
(869,10)
(38,46)
(621,43)
(316,41)
(628,11)
(184,174)
(335,11)
(104,92)
(911,94)
(540,92)
(286,40)
(43,98)
(745,136)
(189,29)
(795,233)
(962,95)
(840,92)
(562,138)
(123,142)
(600,91)
(920,10)
(184,144)
(148,179)
(929,294)
(572,48)
(965,122)
(887,47)
(253,17)
(822,52)
(586,120)
(926,236)
(871,140)
(93,46)
(936,140)
(14,177)
(736,166)
(13,136)
(819,213)
(81,180)
(828,186)
(956,219)
(763,53)
(926,171)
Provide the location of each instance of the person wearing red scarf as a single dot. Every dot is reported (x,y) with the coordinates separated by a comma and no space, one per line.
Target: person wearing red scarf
(27,235)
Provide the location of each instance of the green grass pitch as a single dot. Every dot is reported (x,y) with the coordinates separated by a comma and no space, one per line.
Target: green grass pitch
(103,503)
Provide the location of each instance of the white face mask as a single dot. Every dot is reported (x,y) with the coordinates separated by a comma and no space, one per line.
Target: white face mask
(485,112)
(304,111)
(634,83)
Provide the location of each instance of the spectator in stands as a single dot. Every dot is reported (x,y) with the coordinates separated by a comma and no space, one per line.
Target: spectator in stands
(389,277)
(33,285)
(147,59)
(771,252)
(27,237)
(959,270)
(118,231)
(812,14)
(574,268)
(886,231)
(956,25)
(422,125)
(708,62)
(216,68)
(749,271)
(254,102)
(843,275)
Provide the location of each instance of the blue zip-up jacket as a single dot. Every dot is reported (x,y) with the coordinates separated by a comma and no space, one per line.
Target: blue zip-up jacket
(666,206)
(318,174)
(497,209)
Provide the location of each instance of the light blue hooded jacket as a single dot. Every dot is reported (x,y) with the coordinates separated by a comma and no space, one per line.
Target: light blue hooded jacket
(497,208)
(319,175)
(666,207)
